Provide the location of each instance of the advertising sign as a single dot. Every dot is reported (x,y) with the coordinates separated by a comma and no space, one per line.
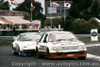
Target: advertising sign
(52,10)
(94,35)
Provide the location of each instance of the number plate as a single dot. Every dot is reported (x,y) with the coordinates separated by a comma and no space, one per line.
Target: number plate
(70,54)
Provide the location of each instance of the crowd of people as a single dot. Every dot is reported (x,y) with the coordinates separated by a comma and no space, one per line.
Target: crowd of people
(16,29)
(8,27)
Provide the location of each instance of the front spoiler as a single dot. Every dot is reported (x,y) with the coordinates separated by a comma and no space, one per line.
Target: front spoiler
(25,52)
(68,55)
(65,55)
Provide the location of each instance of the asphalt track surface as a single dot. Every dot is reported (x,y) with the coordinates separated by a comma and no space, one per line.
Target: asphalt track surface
(9,60)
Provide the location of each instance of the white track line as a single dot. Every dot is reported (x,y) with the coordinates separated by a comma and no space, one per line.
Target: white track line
(93,45)
(93,57)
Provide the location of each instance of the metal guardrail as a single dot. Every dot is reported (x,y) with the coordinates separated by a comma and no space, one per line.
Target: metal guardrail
(10,32)
(17,29)
(85,35)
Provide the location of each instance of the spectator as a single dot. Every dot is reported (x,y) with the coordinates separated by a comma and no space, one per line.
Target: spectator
(23,26)
(30,27)
(14,30)
(17,26)
(0,27)
(49,27)
(7,28)
(10,26)
(45,28)
(20,26)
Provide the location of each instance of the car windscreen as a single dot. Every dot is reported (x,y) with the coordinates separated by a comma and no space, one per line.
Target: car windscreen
(61,36)
(29,37)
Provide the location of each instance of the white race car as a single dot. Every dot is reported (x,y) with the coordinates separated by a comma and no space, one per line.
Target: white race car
(60,44)
(25,43)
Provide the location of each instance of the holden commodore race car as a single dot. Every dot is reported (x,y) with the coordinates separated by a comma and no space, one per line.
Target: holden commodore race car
(25,43)
(60,44)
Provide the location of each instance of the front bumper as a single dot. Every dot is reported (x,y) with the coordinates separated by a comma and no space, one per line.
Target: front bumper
(68,55)
(27,52)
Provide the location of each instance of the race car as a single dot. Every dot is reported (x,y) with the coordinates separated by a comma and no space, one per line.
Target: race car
(60,44)
(25,43)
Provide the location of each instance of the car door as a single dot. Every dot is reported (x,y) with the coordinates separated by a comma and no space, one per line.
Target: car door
(42,45)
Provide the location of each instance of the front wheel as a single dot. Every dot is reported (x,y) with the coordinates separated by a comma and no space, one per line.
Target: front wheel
(18,51)
(13,51)
(21,53)
(37,53)
(48,53)
(81,58)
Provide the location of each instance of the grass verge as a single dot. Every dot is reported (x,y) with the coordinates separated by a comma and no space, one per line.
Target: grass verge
(8,43)
(88,40)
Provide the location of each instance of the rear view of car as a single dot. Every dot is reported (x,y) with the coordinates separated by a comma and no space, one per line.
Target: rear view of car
(61,44)
(25,43)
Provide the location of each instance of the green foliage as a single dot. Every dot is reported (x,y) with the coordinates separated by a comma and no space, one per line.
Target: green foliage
(55,22)
(95,10)
(82,26)
(36,13)
(47,22)
(68,21)
(85,9)
(4,5)
(79,26)
(27,16)
(93,23)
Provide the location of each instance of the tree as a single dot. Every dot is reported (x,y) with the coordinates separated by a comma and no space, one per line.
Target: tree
(4,5)
(56,22)
(27,16)
(68,21)
(36,13)
(95,10)
(84,9)
(47,22)
(82,26)
(93,23)
(79,26)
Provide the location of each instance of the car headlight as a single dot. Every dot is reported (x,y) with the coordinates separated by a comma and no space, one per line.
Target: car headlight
(56,48)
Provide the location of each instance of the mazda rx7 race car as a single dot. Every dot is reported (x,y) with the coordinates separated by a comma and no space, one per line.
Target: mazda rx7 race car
(60,44)
(25,43)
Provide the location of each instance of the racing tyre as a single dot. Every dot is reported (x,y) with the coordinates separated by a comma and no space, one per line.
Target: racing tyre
(13,51)
(47,50)
(81,58)
(37,53)
(19,51)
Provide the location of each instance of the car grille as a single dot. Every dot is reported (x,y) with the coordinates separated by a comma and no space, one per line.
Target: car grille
(70,48)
